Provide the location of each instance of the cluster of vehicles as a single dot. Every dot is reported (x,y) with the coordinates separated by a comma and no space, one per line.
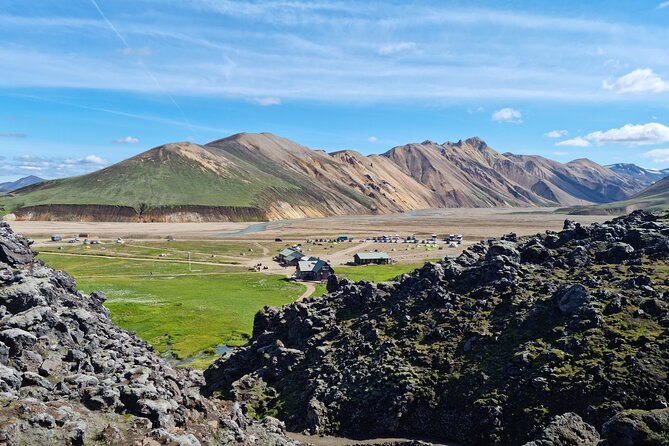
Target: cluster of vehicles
(87,240)
(411,239)
(339,239)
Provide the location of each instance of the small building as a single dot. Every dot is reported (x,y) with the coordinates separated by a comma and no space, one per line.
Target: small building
(311,268)
(293,258)
(85,235)
(367,258)
(286,253)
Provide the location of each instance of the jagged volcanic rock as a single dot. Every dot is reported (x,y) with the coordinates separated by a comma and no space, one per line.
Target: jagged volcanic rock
(546,338)
(68,375)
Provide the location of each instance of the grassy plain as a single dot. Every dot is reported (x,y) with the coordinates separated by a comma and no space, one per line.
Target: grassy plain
(177,311)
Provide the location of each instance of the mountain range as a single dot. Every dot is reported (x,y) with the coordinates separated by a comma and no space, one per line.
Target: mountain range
(654,197)
(646,176)
(20,183)
(262,176)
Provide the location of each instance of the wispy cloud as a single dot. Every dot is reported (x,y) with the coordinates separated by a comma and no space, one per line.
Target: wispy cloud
(555,134)
(49,167)
(574,142)
(90,160)
(642,80)
(658,155)
(307,56)
(398,47)
(126,140)
(137,116)
(267,102)
(12,135)
(663,5)
(630,134)
(373,139)
(137,52)
(508,114)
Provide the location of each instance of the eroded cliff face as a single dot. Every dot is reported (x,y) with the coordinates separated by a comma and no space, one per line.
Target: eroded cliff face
(68,375)
(561,337)
(170,214)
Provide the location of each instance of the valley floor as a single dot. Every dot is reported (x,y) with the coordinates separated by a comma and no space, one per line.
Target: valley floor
(473,223)
(189,296)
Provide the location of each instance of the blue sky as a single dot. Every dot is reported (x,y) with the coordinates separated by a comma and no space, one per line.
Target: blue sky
(85,83)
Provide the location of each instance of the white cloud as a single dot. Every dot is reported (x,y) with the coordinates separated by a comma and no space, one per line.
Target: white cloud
(663,5)
(642,80)
(630,134)
(555,134)
(574,142)
(126,140)
(398,47)
(372,139)
(137,52)
(94,159)
(658,155)
(49,167)
(76,166)
(12,135)
(636,135)
(267,102)
(507,114)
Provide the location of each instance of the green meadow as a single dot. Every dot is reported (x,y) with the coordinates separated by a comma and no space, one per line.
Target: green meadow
(180,312)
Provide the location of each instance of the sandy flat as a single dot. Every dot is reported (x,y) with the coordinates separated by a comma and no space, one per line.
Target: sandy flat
(473,224)
(126,230)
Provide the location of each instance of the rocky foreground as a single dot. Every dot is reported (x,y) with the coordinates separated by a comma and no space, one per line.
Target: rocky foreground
(68,375)
(556,339)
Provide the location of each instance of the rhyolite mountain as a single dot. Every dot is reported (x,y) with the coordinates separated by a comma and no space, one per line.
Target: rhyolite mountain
(20,183)
(655,198)
(646,176)
(267,177)
(560,338)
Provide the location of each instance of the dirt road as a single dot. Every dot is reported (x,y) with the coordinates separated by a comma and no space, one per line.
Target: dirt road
(316,440)
(311,287)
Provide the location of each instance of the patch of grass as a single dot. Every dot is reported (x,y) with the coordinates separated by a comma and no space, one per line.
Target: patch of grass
(320,290)
(375,273)
(83,266)
(201,251)
(196,312)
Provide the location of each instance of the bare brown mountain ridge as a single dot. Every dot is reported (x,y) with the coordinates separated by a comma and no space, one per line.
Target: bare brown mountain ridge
(279,179)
